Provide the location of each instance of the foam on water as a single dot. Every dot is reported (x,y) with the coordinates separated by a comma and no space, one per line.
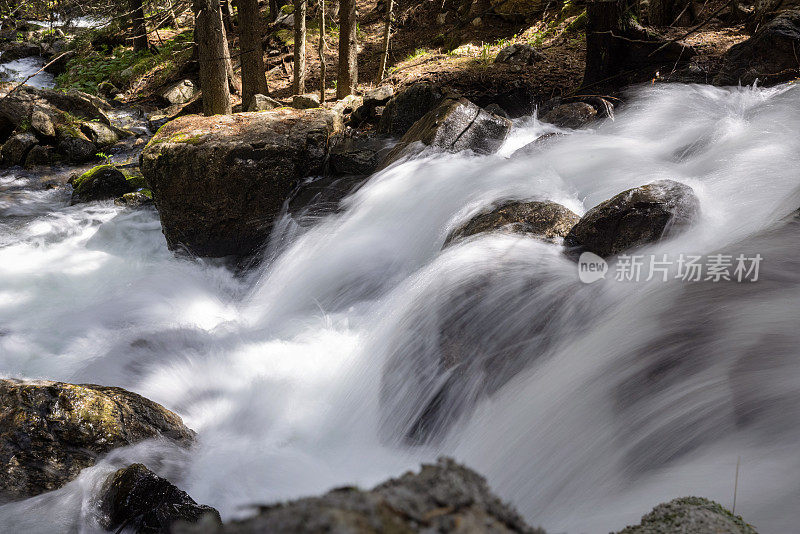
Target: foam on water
(628,395)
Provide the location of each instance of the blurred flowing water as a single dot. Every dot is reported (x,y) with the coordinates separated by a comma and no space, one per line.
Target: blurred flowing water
(589,404)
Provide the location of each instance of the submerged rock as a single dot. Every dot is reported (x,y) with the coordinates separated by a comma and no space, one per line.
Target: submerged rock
(407,107)
(136,498)
(456,124)
(543,219)
(635,217)
(690,515)
(220,182)
(49,431)
(770,56)
(443,497)
(572,115)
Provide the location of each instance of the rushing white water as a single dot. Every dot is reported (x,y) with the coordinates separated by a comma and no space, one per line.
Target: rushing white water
(305,375)
(21,69)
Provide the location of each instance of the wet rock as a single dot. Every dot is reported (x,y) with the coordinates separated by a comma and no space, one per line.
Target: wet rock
(42,123)
(535,146)
(770,56)
(99,134)
(219,182)
(406,108)
(100,183)
(77,149)
(263,103)
(543,219)
(137,199)
(357,156)
(442,497)
(41,155)
(456,124)
(635,217)
(573,115)
(378,96)
(18,50)
(690,515)
(179,92)
(16,148)
(518,54)
(496,109)
(135,498)
(49,431)
(306,101)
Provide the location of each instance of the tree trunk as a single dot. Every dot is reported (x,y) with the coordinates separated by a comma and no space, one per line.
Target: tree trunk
(254,79)
(299,83)
(321,49)
(225,6)
(387,29)
(233,83)
(138,27)
(209,35)
(348,50)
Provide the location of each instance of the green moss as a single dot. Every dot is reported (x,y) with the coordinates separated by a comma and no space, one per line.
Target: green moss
(78,183)
(136,181)
(187,139)
(286,36)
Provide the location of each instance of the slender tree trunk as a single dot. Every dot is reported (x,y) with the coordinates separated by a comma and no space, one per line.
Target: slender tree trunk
(299,83)
(321,49)
(225,6)
(138,27)
(254,79)
(603,19)
(348,50)
(387,29)
(209,35)
(234,84)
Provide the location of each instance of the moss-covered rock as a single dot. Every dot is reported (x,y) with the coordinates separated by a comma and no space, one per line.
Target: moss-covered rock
(690,515)
(49,431)
(100,183)
(136,498)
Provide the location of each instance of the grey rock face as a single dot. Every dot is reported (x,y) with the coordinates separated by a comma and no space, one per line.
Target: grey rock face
(573,115)
(635,217)
(690,515)
(356,156)
(306,101)
(263,103)
(49,431)
(17,147)
(179,92)
(408,107)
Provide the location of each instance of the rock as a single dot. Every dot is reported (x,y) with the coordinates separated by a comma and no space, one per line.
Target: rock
(635,217)
(378,96)
(495,109)
(99,134)
(179,92)
(543,219)
(136,199)
(136,498)
(41,155)
(518,54)
(535,146)
(107,88)
(406,108)
(18,50)
(77,149)
(306,101)
(263,103)
(219,182)
(100,183)
(770,56)
(442,497)
(357,156)
(690,515)
(42,123)
(16,148)
(573,115)
(456,124)
(59,64)
(49,431)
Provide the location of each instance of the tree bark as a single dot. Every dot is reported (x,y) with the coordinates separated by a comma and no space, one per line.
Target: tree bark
(209,34)
(254,80)
(321,50)
(138,26)
(299,82)
(348,50)
(387,29)
(234,84)
(227,15)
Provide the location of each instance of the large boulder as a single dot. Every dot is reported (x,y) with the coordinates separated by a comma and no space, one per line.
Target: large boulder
(690,515)
(770,56)
(357,156)
(635,217)
(135,498)
(442,497)
(455,124)
(219,182)
(18,50)
(407,107)
(179,92)
(49,431)
(17,147)
(542,219)
(571,115)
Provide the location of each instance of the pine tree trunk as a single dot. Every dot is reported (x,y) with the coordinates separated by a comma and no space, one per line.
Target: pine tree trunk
(387,29)
(225,6)
(138,26)
(235,86)
(348,50)
(254,80)
(321,50)
(299,82)
(209,34)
